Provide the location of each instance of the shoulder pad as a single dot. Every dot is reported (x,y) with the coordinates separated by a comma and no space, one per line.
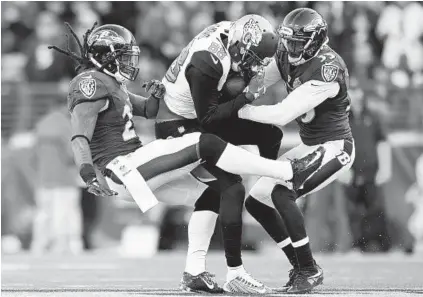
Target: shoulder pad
(90,86)
(328,66)
(208,63)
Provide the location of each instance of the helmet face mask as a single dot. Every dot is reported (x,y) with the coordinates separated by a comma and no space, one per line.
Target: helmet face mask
(252,42)
(113,50)
(127,63)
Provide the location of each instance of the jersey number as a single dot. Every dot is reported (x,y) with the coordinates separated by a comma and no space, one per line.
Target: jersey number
(344,158)
(324,57)
(175,68)
(129,131)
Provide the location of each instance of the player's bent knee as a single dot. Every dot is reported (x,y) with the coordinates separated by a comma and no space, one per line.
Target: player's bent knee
(211,147)
(281,192)
(209,200)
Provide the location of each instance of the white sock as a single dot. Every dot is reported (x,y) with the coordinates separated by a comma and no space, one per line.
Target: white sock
(200,230)
(239,161)
(233,272)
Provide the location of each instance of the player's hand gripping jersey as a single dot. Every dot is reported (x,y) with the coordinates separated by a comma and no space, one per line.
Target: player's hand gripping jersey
(114,134)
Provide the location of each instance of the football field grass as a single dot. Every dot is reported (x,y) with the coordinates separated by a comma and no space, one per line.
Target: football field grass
(107,275)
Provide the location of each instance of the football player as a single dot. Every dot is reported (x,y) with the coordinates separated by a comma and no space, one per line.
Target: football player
(200,97)
(316,79)
(101,111)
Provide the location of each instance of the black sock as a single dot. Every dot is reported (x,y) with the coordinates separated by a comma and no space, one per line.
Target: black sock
(291,255)
(231,205)
(272,222)
(284,201)
(305,257)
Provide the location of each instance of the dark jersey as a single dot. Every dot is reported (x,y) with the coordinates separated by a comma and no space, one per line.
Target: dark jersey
(114,133)
(329,120)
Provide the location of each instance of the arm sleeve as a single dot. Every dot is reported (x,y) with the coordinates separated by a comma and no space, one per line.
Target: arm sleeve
(206,97)
(300,101)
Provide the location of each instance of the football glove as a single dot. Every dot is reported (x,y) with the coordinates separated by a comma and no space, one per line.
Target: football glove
(256,88)
(155,88)
(94,187)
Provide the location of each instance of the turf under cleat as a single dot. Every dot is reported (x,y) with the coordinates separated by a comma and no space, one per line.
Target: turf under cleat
(244,283)
(204,282)
(306,279)
(304,167)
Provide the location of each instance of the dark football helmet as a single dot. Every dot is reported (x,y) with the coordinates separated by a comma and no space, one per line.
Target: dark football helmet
(113,49)
(303,32)
(252,42)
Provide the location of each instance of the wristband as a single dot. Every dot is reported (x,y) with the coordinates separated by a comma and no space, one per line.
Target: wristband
(87,172)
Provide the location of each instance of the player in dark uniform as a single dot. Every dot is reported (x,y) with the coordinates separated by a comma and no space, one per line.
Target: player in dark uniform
(103,133)
(316,79)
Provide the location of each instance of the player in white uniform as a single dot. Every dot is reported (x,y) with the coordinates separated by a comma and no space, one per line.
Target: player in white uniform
(195,101)
(316,79)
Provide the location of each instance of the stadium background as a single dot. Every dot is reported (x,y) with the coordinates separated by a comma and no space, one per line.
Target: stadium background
(380,42)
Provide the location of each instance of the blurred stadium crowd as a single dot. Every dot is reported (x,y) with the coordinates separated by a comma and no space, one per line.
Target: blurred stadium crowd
(381,42)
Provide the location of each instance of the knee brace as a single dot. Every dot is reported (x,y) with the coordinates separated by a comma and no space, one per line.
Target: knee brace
(211,147)
(209,200)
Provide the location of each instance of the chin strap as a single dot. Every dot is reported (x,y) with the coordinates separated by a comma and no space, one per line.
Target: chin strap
(116,75)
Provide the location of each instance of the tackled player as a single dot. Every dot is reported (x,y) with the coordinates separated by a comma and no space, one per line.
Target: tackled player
(103,132)
(200,96)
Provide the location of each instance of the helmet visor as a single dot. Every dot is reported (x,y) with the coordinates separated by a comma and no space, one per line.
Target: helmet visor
(294,46)
(129,62)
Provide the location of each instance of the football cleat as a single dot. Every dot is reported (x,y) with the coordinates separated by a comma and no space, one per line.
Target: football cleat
(304,167)
(306,279)
(204,282)
(244,283)
(292,275)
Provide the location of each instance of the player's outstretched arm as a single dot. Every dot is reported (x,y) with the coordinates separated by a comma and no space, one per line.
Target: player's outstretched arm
(148,107)
(300,101)
(83,121)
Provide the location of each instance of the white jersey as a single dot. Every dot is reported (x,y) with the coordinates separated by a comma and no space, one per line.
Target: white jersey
(178,94)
